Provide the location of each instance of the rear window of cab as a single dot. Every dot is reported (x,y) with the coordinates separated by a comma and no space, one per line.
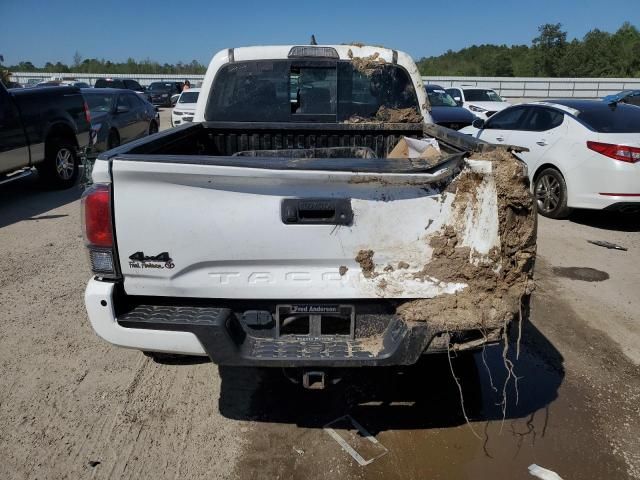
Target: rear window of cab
(306,90)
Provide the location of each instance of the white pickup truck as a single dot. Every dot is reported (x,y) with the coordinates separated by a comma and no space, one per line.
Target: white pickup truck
(293,224)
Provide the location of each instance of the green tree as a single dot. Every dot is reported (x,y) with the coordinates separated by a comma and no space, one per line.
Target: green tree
(502,65)
(549,48)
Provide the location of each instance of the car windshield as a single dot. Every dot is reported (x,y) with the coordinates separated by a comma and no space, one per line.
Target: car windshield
(189,97)
(99,102)
(621,118)
(285,90)
(481,95)
(440,98)
(101,83)
(159,86)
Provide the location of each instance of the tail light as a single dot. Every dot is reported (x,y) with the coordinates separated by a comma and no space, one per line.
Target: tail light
(623,153)
(87,113)
(98,231)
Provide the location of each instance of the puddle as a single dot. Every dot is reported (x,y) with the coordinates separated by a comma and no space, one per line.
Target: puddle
(581,273)
(414,414)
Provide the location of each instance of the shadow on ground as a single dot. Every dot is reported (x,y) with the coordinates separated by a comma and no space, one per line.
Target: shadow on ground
(26,199)
(416,397)
(619,221)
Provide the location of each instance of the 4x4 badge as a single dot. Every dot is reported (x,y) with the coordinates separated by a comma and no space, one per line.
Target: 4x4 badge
(140,260)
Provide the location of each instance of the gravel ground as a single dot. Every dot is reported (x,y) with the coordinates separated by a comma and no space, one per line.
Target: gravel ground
(72,406)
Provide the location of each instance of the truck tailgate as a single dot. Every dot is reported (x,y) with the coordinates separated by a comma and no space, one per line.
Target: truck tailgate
(219,231)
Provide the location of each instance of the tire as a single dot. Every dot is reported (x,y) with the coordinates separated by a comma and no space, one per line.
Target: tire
(550,190)
(61,166)
(114,140)
(153,128)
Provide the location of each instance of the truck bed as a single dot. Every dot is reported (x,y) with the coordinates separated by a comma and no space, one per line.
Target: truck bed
(229,138)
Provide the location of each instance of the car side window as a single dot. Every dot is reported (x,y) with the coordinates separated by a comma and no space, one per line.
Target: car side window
(508,119)
(542,119)
(634,99)
(135,100)
(131,85)
(4,105)
(126,101)
(455,93)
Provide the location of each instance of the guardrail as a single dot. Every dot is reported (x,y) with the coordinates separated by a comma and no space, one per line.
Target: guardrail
(508,87)
(531,87)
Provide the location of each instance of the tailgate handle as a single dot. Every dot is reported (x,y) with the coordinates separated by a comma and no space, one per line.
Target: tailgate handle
(317,211)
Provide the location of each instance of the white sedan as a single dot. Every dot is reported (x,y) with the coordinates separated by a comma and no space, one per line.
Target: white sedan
(582,153)
(185,107)
(482,102)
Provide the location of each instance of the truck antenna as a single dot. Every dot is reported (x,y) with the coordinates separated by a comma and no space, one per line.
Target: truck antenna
(313,40)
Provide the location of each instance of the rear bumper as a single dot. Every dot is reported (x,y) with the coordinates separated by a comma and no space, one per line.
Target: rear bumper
(162,102)
(100,303)
(222,334)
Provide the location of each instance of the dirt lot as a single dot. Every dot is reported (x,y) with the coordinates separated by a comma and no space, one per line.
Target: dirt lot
(72,406)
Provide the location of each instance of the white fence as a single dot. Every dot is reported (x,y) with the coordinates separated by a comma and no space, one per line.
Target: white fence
(90,78)
(509,87)
(527,87)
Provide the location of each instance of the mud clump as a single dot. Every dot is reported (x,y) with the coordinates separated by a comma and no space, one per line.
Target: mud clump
(365,260)
(403,265)
(343,270)
(498,284)
(398,115)
(386,114)
(366,65)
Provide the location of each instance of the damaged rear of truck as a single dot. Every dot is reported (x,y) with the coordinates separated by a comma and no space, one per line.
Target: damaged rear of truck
(311,216)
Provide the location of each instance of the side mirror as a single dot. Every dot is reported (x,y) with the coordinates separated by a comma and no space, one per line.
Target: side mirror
(122,109)
(478,123)
(459,101)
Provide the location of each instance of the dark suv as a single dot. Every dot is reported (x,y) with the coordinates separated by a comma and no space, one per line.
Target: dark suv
(161,92)
(125,83)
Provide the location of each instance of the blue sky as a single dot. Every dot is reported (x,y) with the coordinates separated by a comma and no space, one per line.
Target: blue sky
(169,31)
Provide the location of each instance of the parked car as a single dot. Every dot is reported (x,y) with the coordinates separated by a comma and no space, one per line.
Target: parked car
(582,153)
(123,83)
(445,111)
(185,107)
(277,234)
(482,102)
(161,92)
(118,117)
(631,97)
(63,83)
(45,128)
(11,85)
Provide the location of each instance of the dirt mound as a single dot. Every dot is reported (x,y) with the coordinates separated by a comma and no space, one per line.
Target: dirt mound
(365,259)
(398,115)
(366,65)
(501,282)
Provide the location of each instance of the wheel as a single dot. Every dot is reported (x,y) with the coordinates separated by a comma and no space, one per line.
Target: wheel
(114,140)
(60,167)
(153,128)
(550,190)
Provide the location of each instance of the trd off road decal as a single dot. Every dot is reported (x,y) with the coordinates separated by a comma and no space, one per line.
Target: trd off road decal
(160,261)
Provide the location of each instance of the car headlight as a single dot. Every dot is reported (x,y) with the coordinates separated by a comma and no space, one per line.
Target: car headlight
(165,95)
(177,113)
(473,108)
